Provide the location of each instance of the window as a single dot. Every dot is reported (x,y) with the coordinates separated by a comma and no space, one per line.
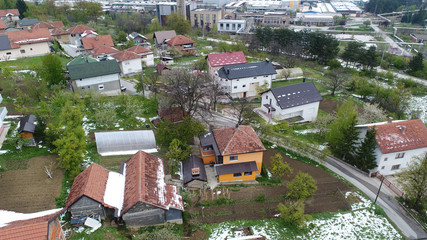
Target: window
(266,97)
(101,87)
(8,53)
(214,19)
(244,86)
(237,174)
(395,167)
(385,159)
(254,77)
(235,87)
(400,155)
(266,76)
(22,51)
(248,173)
(221,25)
(239,25)
(126,63)
(58,37)
(233,158)
(208,148)
(382,167)
(208,18)
(31,49)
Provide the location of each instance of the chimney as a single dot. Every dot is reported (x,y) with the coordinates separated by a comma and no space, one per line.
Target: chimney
(390,119)
(195,171)
(267,60)
(237,125)
(403,129)
(303,79)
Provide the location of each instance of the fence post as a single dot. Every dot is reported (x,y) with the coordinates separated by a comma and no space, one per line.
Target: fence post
(379,189)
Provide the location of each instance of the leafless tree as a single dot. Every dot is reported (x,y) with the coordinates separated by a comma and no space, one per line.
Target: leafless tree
(242,110)
(336,80)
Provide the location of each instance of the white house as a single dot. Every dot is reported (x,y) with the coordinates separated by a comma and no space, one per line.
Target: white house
(25,43)
(298,102)
(147,56)
(218,60)
(139,40)
(231,25)
(129,62)
(76,34)
(241,80)
(397,143)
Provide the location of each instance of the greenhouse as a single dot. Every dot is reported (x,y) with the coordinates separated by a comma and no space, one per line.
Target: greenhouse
(125,142)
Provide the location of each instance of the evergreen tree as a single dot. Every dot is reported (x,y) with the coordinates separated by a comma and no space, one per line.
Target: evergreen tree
(52,70)
(351,52)
(369,58)
(416,64)
(22,8)
(365,155)
(342,134)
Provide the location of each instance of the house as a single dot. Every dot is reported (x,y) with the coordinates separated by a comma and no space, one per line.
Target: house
(147,56)
(129,62)
(171,114)
(418,38)
(88,34)
(103,52)
(39,225)
(166,60)
(26,23)
(219,60)
(205,18)
(231,25)
(398,142)
(194,173)
(161,37)
(242,80)
(9,15)
(138,195)
(182,43)
(60,35)
(3,26)
(162,69)
(3,128)
(298,102)
(76,32)
(139,39)
(87,74)
(48,25)
(25,43)
(90,43)
(237,153)
(111,143)
(55,29)
(27,128)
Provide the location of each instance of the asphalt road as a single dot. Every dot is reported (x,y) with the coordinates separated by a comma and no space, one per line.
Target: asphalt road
(390,41)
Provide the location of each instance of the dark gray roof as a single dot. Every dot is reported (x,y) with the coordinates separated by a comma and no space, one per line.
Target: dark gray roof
(190,163)
(93,69)
(135,34)
(236,168)
(208,139)
(4,43)
(27,124)
(27,21)
(296,95)
(164,35)
(246,70)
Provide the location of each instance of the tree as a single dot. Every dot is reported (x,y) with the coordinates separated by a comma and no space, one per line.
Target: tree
(335,80)
(121,37)
(365,154)
(371,113)
(243,111)
(302,186)
(342,134)
(367,23)
(178,23)
(292,212)
(184,131)
(280,167)
(178,152)
(416,64)
(22,8)
(413,180)
(369,58)
(352,52)
(52,70)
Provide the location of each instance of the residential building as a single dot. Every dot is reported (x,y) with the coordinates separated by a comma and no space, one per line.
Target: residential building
(205,18)
(26,23)
(242,80)
(398,142)
(162,69)
(48,25)
(129,62)
(3,128)
(215,61)
(139,39)
(418,38)
(87,74)
(76,32)
(60,35)
(161,37)
(90,43)
(24,43)
(103,52)
(39,225)
(9,15)
(231,25)
(298,102)
(194,173)
(182,43)
(138,195)
(170,114)
(236,152)
(3,26)
(146,55)
(164,9)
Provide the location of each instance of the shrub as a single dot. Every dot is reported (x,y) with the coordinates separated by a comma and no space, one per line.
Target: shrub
(292,212)
(302,186)
(260,198)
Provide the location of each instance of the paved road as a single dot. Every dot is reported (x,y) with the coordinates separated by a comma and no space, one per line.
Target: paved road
(390,41)
(72,50)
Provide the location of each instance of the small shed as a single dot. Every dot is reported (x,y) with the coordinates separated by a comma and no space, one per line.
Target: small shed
(166,60)
(125,142)
(27,128)
(194,173)
(162,69)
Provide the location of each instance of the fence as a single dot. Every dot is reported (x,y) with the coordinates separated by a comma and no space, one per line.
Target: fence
(390,185)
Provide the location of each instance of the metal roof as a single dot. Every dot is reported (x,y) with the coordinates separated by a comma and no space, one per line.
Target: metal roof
(296,95)
(236,168)
(208,139)
(27,124)
(247,70)
(93,69)
(188,165)
(4,43)
(125,142)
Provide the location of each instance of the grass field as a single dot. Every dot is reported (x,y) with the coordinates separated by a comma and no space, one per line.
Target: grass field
(29,63)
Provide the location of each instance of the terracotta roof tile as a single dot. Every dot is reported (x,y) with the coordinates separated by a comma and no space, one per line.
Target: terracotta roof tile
(179,40)
(18,38)
(94,42)
(58,31)
(125,55)
(138,49)
(79,29)
(173,114)
(51,25)
(2,25)
(91,183)
(242,139)
(390,136)
(228,58)
(5,12)
(160,67)
(103,50)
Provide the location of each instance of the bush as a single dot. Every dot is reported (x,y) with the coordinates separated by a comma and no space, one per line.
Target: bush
(292,212)
(302,186)
(260,198)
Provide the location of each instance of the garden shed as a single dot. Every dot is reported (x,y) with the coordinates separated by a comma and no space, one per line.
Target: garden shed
(125,142)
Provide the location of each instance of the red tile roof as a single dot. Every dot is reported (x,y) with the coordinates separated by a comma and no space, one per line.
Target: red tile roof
(145,183)
(179,40)
(50,25)
(160,67)
(125,55)
(92,183)
(232,140)
(18,38)
(138,49)
(79,29)
(2,25)
(390,136)
(103,50)
(98,41)
(58,31)
(173,114)
(228,58)
(5,12)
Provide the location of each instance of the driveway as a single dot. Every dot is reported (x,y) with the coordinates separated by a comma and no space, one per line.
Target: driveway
(71,50)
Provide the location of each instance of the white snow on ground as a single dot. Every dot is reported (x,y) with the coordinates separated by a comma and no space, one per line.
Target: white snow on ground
(115,190)
(93,223)
(130,152)
(87,127)
(418,104)
(7,217)
(161,184)
(13,116)
(308,131)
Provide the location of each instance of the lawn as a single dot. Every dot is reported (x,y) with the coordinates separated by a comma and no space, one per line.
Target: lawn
(100,234)
(29,63)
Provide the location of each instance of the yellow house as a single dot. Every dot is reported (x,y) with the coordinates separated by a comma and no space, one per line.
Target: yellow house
(236,153)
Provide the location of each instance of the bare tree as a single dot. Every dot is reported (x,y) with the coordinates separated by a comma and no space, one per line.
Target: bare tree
(285,73)
(372,113)
(335,80)
(242,111)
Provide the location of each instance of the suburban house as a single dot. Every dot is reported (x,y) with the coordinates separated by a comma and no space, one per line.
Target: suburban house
(231,25)
(3,26)
(76,34)
(55,29)
(237,152)
(103,52)
(39,225)
(398,142)
(182,43)
(3,128)
(27,128)
(171,114)
(242,80)
(90,43)
(25,43)
(205,18)
(161,37)
(219,60)
(87,74)
(48,25)
(139,39)
(9,15)
(137,196)
(147,56)
(298,102)
(166,60)
(60,35)
(194,173)
(162,69)
(129,62)
(26,23)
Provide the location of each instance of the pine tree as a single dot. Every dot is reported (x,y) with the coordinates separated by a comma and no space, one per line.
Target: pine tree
(22,8)
(416,64)
(365,155)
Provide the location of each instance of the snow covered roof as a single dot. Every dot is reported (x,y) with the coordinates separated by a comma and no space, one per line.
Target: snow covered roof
(125,142)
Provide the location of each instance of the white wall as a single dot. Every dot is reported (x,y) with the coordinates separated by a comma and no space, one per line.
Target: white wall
(76,40)
(27,50)
(232,25)
(148,60)
(131,66)
(237,87)
(97,80)
(385,165)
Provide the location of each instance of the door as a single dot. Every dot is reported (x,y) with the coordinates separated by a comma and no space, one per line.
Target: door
(244,94)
